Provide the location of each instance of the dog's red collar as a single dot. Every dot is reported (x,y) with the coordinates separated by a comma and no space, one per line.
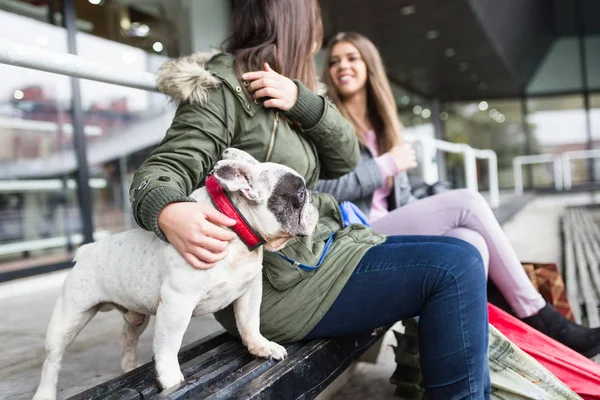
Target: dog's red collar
(223,203)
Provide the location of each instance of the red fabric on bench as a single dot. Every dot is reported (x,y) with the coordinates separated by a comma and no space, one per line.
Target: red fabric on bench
(579,373)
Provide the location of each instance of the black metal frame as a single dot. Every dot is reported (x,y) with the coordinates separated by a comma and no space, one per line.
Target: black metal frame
(84,192)
(32,271)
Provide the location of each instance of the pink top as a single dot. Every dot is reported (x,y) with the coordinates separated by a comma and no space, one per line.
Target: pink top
(387,167)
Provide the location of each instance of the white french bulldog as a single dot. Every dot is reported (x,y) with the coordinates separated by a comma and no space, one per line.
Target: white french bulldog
(138,274)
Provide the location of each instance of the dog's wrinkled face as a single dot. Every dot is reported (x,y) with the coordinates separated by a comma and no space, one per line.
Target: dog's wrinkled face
(272,197)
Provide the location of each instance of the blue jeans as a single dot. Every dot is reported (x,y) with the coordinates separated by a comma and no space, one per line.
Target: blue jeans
(441,280)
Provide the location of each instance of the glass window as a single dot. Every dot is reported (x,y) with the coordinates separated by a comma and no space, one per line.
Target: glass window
(560,70)
(557,124)
(38,10)
(486,124)
(119,122)
(39,214)
(592,56)
(595,129)
(595,119)
(146,25)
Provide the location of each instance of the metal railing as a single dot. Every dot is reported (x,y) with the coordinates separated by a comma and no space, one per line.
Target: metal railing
(562,173)
(31,57)
(429,146)
(46,185)
(574,155)
(19,55)
(494,185)
(519,161)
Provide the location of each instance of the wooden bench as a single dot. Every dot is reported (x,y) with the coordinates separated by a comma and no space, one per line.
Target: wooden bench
(581,238)
(219,367)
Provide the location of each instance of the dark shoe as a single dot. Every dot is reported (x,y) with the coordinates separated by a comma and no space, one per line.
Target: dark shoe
(579,338)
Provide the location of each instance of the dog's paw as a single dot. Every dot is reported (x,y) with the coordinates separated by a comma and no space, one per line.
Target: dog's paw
(128,364)
(45,395)
(167,380)
(266,349)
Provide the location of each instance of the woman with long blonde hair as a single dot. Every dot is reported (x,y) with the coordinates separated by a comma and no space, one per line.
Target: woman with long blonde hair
(379,186)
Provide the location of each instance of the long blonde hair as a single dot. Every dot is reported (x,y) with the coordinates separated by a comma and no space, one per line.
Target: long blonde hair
(381,106)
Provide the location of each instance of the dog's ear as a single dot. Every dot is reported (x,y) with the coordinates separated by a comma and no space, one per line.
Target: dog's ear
(237,176)
(239,155)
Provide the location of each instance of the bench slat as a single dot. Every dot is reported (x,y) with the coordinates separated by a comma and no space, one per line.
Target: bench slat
(146,371)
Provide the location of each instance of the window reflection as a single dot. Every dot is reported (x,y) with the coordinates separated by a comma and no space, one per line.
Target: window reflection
(557,124)
(39,217)
(124,122)
(485,124)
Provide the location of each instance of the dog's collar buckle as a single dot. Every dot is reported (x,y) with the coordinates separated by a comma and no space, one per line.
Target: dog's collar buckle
(223,203)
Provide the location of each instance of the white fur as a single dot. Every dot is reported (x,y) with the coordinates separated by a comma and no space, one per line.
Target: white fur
(140,275)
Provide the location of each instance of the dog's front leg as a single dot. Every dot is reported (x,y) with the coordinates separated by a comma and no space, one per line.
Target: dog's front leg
(172,319)
(247,316)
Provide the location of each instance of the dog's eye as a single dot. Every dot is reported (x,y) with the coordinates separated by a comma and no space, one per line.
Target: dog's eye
(302,195)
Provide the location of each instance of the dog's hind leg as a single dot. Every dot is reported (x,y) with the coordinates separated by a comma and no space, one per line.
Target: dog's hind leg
(68,319)
(134,325)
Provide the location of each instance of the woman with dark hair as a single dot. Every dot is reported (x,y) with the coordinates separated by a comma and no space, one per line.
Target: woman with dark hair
(259,97)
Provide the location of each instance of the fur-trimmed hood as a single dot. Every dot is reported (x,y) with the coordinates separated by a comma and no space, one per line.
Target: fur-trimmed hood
(186,80)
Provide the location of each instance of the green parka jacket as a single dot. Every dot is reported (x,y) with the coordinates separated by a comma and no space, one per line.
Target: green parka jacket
(215,112)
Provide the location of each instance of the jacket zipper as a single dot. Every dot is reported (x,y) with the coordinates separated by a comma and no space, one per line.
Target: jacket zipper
(273,134)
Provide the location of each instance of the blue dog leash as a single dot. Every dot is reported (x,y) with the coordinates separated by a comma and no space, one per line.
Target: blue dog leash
(350,215)
(309,268)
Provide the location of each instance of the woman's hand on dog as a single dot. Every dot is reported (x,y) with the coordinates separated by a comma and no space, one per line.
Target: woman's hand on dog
(191,228)
(279,91)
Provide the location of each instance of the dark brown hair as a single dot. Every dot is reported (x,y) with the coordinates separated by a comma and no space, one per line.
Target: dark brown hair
(281,32)
(381,106)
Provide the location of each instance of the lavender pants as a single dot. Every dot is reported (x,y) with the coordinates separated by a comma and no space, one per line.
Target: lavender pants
(464,214)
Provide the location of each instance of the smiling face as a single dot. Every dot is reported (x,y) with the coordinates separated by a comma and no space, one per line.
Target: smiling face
(347,69)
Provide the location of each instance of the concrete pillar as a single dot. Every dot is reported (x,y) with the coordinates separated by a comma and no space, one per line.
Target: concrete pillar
(204,25)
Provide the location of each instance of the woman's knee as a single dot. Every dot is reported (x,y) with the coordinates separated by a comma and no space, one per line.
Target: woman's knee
(464,263)
(471,199)
(474,238)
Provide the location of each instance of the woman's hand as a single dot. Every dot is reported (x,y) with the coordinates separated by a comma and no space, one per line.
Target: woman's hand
(404,156)
(191,229)
(282,92)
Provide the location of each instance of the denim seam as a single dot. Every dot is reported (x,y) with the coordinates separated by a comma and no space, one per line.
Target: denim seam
(462,332)
(411,266)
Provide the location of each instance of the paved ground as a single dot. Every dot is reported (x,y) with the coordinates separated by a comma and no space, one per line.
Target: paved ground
(94,357)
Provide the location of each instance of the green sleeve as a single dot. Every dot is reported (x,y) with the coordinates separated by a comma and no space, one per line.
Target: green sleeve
(190,148)
(328,130)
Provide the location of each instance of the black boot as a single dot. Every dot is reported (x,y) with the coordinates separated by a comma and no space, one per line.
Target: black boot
(407,376)
(579,338)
